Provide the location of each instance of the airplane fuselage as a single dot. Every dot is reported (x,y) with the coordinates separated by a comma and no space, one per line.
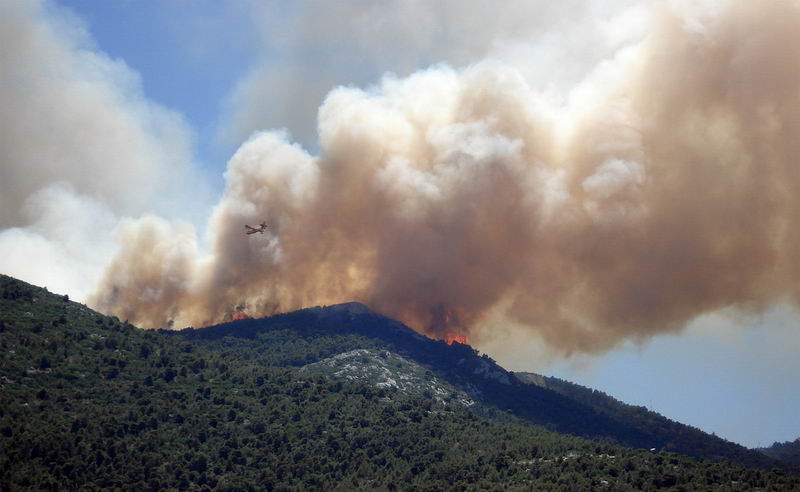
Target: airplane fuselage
(252,230)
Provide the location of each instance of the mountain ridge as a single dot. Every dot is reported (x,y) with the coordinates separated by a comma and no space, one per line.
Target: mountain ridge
(484,379)
(92,402)
(788,452)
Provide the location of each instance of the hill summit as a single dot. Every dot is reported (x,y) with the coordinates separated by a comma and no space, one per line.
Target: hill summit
(322,398)
(558,405)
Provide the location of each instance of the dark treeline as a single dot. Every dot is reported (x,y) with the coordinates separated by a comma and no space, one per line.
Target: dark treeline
(559,406)
(788,452)
(90,402)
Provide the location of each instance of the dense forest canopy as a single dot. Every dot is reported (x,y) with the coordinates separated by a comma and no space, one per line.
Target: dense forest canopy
(92,402)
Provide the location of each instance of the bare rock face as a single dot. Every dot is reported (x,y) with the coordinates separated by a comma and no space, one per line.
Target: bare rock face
(385,369)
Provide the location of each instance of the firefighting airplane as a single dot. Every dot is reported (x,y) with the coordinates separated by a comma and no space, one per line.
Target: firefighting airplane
(252,230)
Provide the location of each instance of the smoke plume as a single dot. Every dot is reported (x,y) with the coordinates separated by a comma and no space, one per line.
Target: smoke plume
(79,145)
(662,189)
(325,44)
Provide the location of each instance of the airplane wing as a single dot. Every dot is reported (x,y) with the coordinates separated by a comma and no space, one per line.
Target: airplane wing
(253,230)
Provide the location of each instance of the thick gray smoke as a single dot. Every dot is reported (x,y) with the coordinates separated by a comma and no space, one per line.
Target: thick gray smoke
(663,189)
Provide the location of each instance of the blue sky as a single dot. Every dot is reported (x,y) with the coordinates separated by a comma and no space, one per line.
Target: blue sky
(741,386)
(218,71)
(191,66)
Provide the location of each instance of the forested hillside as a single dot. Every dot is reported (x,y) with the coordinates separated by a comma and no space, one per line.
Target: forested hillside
(89,402)
(788,452)
(317,333)
(677,436)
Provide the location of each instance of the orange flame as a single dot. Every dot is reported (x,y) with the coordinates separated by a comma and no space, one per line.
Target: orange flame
(450,339)
(445,323)
(240,315)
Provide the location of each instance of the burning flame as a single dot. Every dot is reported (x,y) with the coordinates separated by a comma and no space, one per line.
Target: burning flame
(240,315)
(450,339)
(444,319)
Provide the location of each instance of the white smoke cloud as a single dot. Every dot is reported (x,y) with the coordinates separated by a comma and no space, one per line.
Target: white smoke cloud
(553,45)
(540,187)
(653,192)
(78,135)
(65,244)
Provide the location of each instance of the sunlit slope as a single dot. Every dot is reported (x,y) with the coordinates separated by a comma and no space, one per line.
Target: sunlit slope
(325,331)
(90,402)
